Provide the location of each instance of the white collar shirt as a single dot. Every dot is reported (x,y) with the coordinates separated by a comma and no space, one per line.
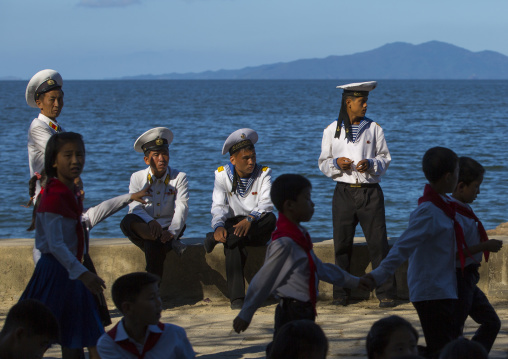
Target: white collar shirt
(172,344)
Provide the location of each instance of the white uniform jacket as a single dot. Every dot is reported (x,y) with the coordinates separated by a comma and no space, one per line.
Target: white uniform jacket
(256,200)
(285,273)
(168,204)
(371,145)
(429,243)
(56,234)
(41,129)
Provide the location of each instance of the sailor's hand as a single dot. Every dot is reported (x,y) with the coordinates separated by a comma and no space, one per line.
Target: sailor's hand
(240,325)
(344,163)
(493,245)
(166,236)
(155,229)
(363,166)
(138,196)
(242,228)
(93,282)
(220,234)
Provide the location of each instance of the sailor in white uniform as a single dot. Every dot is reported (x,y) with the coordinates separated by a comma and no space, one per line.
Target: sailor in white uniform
(156,227)
(355,155)
(44,91)
(241,208)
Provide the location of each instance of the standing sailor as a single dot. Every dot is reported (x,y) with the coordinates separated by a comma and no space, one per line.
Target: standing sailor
(241,208)
(156,227)
(44,91)
(355,155)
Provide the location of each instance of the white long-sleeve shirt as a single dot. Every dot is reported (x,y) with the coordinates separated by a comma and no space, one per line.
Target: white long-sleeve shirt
(429,243)
(471,235)
(41,129)
(56,234)
(371,145)
(172,344)
(256,200)
(285,273)
(169,203)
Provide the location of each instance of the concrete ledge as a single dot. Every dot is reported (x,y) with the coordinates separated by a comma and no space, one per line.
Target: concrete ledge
(197,276)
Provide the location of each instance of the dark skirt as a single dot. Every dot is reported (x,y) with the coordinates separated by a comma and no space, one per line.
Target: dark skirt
(70,301)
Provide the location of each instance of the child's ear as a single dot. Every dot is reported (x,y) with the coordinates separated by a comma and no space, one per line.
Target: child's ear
(126,306)
(460,186)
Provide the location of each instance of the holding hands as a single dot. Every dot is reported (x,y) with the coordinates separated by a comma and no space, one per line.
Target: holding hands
(367,282)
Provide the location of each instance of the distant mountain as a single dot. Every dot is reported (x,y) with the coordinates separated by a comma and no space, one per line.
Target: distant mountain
(432,60)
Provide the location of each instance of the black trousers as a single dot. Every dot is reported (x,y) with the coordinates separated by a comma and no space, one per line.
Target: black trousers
(364,205)
(288,310)
(155,251)
(236,252)
(473,302)
(439,323)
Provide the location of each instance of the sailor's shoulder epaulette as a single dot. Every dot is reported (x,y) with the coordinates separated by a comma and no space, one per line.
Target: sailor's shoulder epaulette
(265,168)
(220,169)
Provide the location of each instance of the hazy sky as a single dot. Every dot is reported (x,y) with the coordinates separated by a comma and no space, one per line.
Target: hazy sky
(95,39)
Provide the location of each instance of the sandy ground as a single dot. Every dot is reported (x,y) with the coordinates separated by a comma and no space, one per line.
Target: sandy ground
(209,328)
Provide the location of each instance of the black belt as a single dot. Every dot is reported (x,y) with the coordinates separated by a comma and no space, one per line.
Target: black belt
(358,185)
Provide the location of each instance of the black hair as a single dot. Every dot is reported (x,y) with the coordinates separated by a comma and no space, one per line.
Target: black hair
(469,170)
(381,331)
(128,287)
(437,162)
(287,187)
(35,317)
(32,186)
(299,339)
(55,143)
(462,348)
(246,148)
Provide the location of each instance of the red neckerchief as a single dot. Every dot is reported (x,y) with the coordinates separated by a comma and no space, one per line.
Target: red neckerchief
(467,212)
(286,228)
(58,198)
(129,346)
(449,208)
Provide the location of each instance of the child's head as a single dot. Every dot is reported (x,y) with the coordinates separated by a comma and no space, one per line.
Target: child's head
(462,348)
(440,164)
(470,178)
(29,330)
(136,295)
(299,339)
(390,337)
(60,147)
(291,195)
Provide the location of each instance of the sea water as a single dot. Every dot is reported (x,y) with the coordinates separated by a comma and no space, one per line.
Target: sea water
(470,117)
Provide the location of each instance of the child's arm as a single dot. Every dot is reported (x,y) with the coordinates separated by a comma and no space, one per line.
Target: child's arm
(103,210)
(492,245)
(267,279)
(333,274)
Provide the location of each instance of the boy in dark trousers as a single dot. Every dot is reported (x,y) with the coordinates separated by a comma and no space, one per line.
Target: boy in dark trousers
(291,270)
(472,301)
(430,242)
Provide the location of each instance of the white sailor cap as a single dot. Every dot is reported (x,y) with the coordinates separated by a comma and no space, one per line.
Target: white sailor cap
(155,139)
(239,139)
(359,89)
(42,82)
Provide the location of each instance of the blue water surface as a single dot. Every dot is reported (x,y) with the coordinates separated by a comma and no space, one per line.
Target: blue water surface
(469,117)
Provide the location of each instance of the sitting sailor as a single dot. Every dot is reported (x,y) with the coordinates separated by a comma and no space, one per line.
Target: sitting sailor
(156,227)
(241,208)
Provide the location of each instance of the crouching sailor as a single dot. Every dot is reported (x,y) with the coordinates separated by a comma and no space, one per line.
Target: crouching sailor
(156,227)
